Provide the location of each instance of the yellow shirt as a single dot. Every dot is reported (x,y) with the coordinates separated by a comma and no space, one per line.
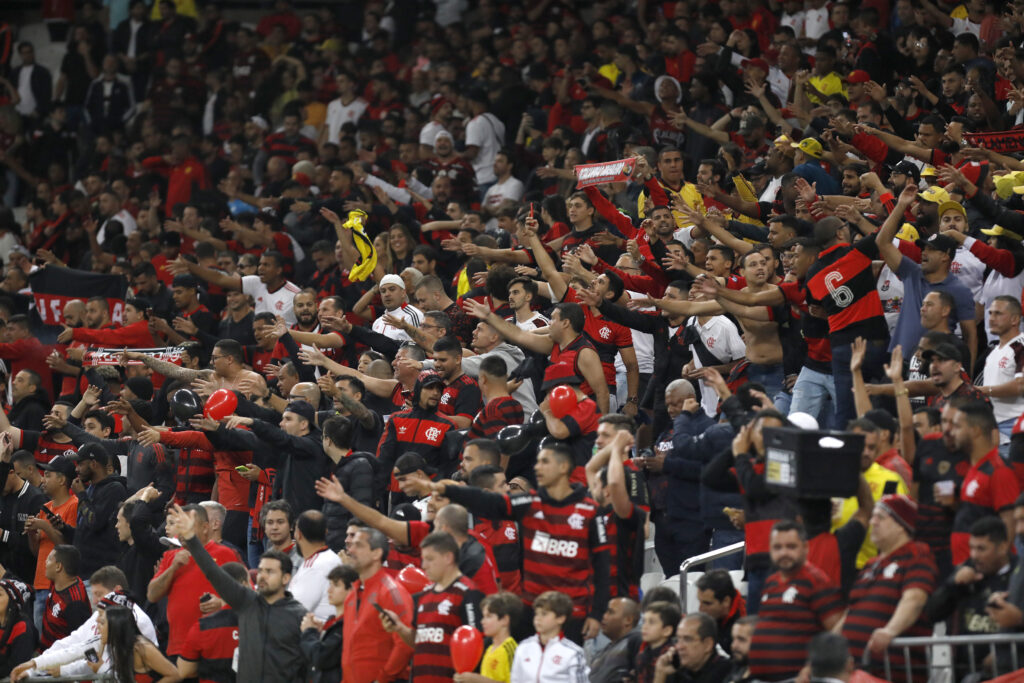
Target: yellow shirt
(186,8)
(828,84)
(688,193)
(877,478)
(497,663)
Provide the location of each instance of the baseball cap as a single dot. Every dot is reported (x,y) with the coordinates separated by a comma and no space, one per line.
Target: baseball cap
(92,451)
(809,146)
(908,233)
(952,206)
(858,76)
(303,410)
(410,462)
(1000,231)
(942,351)
(1007,184)
(907,168)
(185,280)
(60,465)
(939,242)
(934,194)
(428,377)
(784,144)
(929,171)
(141,387)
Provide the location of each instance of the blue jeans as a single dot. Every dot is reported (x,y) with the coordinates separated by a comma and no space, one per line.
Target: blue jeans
(771,377)
(37,608)
(811,392)
(1006,429)
(720,538)
(875,358)
(755,584)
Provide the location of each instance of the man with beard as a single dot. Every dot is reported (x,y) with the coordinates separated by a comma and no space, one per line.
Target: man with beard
(185,294)
(937,143)
(742,634)
(98,501)
(798,602)
(670,177)
(43,444)
(448,163)
(269,618)
(945,366)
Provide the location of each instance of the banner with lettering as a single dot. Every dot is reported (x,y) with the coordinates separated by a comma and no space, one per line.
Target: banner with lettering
(53,287)
(98,357)
(1001,142)
(604,172)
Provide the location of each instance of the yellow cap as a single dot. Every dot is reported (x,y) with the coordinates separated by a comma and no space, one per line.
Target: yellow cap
(1005,185)
(952,206)
(934,194)
(808,146)
(1000,231)
(908,233)
(929,172)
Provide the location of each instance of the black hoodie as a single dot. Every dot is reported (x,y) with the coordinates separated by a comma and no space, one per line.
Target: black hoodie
(29,411)
(355,472)
(96,534)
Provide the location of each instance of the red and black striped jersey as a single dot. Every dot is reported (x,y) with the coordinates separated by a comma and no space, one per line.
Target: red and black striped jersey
(504,538)
(436,615)
(64,611)
(813,329)
(874,597)
(793,610)
(461,397)
(195,477)
(43,447)
(281,145)
(989,488)
(626,563)
(842,282)
(499,413)
(211,642)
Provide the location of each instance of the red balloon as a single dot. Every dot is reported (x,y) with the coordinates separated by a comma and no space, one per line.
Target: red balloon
(220,404)
(562,400)
(467,646)
(413,579)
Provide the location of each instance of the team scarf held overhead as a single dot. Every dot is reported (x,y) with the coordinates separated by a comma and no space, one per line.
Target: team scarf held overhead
(99,357)
(53,287)
(618,171)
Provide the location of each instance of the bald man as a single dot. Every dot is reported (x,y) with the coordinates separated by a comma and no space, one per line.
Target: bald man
(620,624)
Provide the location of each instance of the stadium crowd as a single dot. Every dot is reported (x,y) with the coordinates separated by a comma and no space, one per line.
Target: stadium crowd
(327,335)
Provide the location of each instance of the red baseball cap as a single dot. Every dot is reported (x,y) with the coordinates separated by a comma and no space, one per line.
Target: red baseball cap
(858,76)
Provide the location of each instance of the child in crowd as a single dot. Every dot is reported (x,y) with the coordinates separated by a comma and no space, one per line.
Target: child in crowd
(501,613)
(657,631)
(548,656)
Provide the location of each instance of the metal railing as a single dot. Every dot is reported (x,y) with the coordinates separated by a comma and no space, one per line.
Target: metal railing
(956,642)
(704,558)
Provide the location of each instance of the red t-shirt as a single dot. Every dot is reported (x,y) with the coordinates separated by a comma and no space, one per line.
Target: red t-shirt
(187,587)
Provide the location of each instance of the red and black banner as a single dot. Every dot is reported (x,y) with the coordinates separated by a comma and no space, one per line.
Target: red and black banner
(1001,142)
(98,357)
(53,287)
(604,172)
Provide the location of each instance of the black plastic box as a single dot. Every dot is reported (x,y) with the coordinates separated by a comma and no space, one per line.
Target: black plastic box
(812,464)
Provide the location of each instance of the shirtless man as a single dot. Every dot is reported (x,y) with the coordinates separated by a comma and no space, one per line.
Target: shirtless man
(227,369)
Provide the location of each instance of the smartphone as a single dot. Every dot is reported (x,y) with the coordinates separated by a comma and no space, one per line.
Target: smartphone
(382,611)
(205,597)
(676,663)
(241,469)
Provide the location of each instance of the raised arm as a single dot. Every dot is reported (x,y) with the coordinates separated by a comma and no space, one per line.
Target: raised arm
(181,265)
(163,367)
(889,252)
(331,489)
(534,342)
(381,387)
(544,260)
(682,120)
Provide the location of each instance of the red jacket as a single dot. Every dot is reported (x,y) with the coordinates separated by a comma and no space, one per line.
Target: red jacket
(371,653)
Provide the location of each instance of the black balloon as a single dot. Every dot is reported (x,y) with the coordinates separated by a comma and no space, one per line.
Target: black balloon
(186,403)
(514,439)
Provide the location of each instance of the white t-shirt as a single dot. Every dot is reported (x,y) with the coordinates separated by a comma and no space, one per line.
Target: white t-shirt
(816,22)
(720,336)
(643,345)
(278,302)
(339,114)
(428,133)
(536,321)
(890,291)
(968,269)
(488,133)
(509,189)
(127,222)
(1002,365)
(407,312)
(309,582)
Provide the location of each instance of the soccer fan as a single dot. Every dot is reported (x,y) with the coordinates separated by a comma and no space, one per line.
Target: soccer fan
(551,611)
(67,603)
(211,643)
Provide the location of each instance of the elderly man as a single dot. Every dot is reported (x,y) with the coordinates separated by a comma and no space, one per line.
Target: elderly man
(694,658)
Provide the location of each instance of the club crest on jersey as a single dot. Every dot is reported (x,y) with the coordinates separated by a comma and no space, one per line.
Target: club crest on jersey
(577,521)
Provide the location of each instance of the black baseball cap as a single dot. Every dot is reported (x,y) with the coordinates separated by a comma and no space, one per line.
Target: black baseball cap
(60,465)
(940,242)
(942,351)
(93,451)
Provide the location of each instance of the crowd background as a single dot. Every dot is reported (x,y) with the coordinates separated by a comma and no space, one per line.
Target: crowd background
(318,347)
